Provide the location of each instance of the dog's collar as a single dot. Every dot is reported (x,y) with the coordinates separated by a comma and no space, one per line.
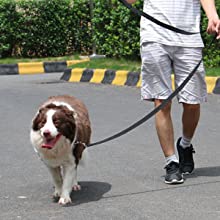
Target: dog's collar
(79,142)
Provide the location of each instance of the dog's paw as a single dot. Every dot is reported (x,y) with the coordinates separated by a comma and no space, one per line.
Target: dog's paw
(76,187)
(57,193)
(65,200)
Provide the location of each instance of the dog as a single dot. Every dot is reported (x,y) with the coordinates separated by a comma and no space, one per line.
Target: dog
(60,132)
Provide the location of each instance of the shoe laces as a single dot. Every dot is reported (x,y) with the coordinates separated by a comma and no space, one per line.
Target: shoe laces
(172,167)
(188,154)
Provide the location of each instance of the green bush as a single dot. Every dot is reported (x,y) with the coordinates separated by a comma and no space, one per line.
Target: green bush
(8,26)
(54,27)
(116,29)
(80,27)
(43,27)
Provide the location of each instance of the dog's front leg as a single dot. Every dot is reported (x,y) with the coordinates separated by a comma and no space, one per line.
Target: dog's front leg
(75,186)
(58,181)
(69,173)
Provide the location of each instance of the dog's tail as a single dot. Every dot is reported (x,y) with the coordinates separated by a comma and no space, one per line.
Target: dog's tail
(85,158)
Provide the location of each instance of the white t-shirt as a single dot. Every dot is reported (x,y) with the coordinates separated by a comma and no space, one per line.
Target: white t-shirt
(183,14)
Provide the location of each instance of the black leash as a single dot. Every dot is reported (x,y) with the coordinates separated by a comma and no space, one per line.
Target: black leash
(167,26)
(165,101)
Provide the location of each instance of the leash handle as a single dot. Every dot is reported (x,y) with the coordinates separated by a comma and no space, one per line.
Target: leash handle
(167,26)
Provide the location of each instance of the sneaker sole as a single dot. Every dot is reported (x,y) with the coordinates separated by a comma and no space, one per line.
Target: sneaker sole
(174,182)
(188,173)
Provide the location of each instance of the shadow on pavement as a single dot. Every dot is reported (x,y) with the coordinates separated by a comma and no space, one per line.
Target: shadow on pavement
(198,172)
(205,171)
(90,191)
(94,191)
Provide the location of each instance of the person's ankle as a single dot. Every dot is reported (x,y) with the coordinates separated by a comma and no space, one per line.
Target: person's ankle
(171,158)
(185,142)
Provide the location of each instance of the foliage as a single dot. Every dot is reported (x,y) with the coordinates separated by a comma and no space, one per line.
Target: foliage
(116,29)
(80,27)
(43,27)
(8,25)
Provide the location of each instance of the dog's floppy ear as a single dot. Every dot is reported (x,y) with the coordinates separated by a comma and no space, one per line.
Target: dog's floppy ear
(38,119)
(35,122)
(65,122)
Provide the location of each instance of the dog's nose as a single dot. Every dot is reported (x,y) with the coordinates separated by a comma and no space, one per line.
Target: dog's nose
(46,133)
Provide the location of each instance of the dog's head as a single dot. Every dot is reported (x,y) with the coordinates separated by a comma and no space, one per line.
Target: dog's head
(51,123)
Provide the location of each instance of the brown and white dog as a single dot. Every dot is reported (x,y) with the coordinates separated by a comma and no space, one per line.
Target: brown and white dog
(59,134)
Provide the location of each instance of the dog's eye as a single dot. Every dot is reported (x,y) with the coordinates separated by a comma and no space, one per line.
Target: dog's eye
(56,122)
(42,122)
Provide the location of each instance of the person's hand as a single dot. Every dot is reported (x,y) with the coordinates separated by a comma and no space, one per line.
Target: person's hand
(214,27)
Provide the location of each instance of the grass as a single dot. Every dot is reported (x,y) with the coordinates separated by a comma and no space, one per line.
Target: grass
(14,60)
(110,63)
(213,71)
(101,63)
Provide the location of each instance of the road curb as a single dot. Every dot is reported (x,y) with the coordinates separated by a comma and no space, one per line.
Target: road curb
(121,78)
(37,67)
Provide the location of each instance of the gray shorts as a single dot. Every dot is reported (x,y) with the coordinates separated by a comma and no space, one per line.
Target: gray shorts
(160,61)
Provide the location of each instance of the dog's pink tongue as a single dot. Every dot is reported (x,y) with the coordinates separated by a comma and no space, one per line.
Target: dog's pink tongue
(50,143)
(47,146)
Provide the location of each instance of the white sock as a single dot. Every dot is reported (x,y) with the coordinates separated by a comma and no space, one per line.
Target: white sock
(171,158)
(185,142)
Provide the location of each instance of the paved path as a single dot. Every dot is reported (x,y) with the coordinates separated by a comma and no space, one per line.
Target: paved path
(124,179)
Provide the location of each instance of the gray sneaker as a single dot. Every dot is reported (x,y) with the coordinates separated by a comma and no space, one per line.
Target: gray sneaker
(173,174)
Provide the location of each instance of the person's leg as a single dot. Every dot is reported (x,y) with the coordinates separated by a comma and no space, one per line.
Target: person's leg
(190,96)
(190,119)
(164,127)
(156,72)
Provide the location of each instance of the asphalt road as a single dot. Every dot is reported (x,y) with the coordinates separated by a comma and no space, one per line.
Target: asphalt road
(124,177)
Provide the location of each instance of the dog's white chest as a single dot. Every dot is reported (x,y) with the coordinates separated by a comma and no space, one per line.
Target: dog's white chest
(61,154)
